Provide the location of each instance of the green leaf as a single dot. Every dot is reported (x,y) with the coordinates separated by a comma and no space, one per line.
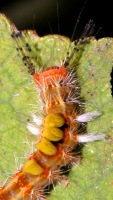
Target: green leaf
(92,179)
(16,105)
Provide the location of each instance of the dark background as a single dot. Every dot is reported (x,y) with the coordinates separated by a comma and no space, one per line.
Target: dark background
(42,16)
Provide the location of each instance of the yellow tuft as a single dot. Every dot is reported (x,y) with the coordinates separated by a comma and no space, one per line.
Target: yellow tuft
(54,120)
(53,134)
(32,167)
(46,147)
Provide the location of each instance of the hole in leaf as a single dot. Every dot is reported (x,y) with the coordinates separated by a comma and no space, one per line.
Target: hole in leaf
(111,82)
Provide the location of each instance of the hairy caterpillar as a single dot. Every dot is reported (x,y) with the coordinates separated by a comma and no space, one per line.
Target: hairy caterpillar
(64,115)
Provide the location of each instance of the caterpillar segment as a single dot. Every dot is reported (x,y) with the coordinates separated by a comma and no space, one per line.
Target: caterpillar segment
(60,135)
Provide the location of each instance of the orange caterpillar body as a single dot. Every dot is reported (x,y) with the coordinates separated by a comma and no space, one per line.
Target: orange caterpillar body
(63,115)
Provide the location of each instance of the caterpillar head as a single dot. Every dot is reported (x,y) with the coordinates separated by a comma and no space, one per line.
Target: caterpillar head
(50,75)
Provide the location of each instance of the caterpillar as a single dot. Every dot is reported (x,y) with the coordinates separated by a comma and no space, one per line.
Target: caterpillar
(61,132)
